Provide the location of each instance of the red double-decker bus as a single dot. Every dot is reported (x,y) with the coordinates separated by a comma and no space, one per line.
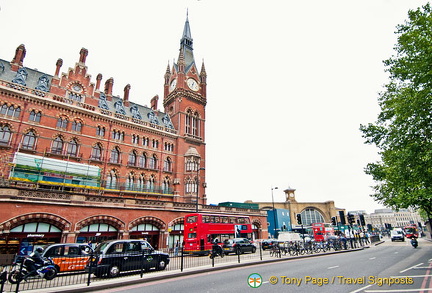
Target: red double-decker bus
(322,231)
(411,231)
(201,229)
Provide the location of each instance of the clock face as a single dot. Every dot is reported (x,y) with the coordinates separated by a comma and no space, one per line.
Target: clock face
(173,85)
(192,84)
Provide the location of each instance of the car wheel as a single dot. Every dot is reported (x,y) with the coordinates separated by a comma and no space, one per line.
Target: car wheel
(114,271)
(253,249)
(161,265)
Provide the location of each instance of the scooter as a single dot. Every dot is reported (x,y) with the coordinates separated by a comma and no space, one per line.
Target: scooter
(21,265)
(414,242)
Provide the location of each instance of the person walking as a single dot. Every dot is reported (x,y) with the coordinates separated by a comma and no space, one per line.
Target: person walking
(176,248)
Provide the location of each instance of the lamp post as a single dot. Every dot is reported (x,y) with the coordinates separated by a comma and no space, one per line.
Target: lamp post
(198,187)
(274,212)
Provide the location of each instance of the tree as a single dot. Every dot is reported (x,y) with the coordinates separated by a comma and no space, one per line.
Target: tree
(403,130)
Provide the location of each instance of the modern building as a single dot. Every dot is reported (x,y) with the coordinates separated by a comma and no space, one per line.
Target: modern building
(79,163)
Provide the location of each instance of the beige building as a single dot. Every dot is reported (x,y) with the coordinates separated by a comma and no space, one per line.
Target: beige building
(311,212)
(400,218)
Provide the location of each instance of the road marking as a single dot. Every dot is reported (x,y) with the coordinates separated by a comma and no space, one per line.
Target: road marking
(361,289)
(399,290)
(410,268)
(372,258)
(329,268)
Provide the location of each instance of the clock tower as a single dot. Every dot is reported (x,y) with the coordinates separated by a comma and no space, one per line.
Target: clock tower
(185,98)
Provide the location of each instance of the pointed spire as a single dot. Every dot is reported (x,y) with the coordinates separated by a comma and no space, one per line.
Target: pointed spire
(203,71)
(186,44)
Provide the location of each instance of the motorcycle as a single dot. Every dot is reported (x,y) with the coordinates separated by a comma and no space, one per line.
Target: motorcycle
(21,266)
(414,242)
(216,250)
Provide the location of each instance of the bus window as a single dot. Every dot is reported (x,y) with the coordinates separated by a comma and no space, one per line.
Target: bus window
(224,219)
(232,220)
(206,219)
(217,219)
(192,235)
(192,219)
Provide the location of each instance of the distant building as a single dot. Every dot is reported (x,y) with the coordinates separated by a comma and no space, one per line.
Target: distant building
(311,212)
(400,218)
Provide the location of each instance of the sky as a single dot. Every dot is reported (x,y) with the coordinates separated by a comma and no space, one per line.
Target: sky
(288,82)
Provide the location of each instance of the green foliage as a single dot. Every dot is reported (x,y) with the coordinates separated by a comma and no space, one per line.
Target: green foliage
(403,130)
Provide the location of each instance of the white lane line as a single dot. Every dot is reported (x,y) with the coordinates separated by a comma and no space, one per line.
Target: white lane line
(329,268)
(361,289)
(410,268)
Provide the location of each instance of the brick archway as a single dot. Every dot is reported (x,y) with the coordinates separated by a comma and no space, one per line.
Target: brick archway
(105,219)
(148,220)
(48,218)
(179,220)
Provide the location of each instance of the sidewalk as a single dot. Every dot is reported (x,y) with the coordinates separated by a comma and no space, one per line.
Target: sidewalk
(154,276)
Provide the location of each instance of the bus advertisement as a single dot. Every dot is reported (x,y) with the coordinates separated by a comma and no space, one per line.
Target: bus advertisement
(201,229)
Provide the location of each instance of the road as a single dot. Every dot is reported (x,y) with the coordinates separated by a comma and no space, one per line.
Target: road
(369,270)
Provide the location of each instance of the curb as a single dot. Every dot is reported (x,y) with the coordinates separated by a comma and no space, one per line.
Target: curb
(115,283)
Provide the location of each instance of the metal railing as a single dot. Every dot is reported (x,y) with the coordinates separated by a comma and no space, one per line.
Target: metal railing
(85,270)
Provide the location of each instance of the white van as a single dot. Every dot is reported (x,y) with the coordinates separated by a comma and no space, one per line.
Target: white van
(397,234)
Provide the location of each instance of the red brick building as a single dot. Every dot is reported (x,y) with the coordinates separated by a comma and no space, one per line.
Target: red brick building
(80,163)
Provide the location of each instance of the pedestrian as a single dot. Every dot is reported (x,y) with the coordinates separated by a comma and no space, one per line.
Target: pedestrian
(176,248)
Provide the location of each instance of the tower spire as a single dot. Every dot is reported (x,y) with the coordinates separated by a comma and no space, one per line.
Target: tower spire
(186,43)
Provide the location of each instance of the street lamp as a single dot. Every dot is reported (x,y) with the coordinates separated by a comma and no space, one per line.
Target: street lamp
(274,212)
(198,187)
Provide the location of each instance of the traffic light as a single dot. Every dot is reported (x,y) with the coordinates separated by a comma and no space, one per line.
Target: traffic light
(334,221)
(299,220)
(342,217)
(362,220)
(351,219)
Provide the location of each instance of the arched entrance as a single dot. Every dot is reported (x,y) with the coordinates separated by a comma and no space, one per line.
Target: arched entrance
(175,230)
(256,229)
(99,228)
(22,233)
(148,228)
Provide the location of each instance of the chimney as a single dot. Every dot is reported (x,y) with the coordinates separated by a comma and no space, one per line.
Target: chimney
(126,95)
(154,102)
(98,81)
(108,88)
(59,64)
(18,59)
(83,55)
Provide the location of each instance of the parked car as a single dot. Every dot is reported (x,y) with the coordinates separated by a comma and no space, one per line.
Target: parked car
(238,246)
(115,256)
(397,235)
(268,243)
(68,256)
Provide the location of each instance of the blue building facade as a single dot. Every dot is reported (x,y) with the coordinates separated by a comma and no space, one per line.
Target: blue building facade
(279,220)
